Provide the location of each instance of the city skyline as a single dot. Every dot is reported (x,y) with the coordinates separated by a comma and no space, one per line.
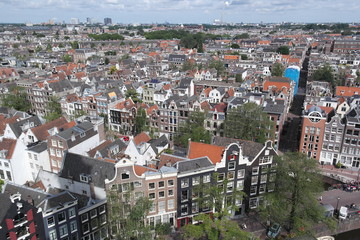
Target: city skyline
(175,11)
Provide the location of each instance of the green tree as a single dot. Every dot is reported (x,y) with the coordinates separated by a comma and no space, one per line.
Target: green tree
(140,121)
(235,46)
(242,36)
(248,122)
(67,58)
(277,70)
(294,202)
(17,99)
(49,48)
(107,61)
(284,50)
(15,45)
(127,214)
(325,73)
(75,45)
(112,69)
(188,65)
(218,65)
(38,49)
(132,93)
(192,128)
(1,184)
(238,78)
(217,226)
(54,110)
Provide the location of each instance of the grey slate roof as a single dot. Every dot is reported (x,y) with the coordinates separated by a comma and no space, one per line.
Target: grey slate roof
(76,130)
(26,193)
(58,200)
(195,164)
(16,127)
(250,149)
(97,170)
(5,204)
(38,147)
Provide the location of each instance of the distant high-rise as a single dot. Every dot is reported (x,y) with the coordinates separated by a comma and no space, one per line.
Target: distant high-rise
(74,21)
(107,21)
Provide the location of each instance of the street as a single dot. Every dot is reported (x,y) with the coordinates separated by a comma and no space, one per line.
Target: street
(346,198)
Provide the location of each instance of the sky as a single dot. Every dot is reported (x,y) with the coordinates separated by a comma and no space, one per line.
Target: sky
(181,11)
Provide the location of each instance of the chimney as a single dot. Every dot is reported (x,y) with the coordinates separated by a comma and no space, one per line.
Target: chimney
(30,200)
(92,190)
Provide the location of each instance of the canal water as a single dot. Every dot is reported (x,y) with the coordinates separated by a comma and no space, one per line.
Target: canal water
(352,235)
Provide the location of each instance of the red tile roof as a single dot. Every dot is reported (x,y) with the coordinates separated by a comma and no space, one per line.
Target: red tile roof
(141,138)
(41,132)
(9,145)
(214,153)
(347,91)
(168,159)
(140,170)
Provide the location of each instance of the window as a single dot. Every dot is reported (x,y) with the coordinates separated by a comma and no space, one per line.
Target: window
(266,159)
(161,194)
(271,187)
(35,157)
(50,222)
(125,175)
(184,182)
(84,178)
(229,187)
(241,173)
(151,185)
(253,190)
(53,142)
(73,226)
(63,231)
(206,178)
(184,195)
(101,209)
(94,223)
(137,184)
(196,180)
(171,204)
(231,175)
(272,177)
(254,180)
(255,170)
(263,178)
(61,217)
(161,184)
(184,209)
(58,153)
(93,213)
(84,217)
(52,235)
(240,185)
(30,155)
(253,202)
(221,177)
(170,192)
(151,195)
(102,219)
(161,206)
(195,207)
(262,188)
(85,228)
(71,212)
(170,183)
(231,166)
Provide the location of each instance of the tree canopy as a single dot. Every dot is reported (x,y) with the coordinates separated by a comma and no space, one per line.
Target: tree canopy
(17,99)
(324,73)
(140,121)
(106,36)
(127,221)
(284,50)
(218,65)
(294,202)
(193,129)
(54,110)
(277,70)
(248,122)
(132,93)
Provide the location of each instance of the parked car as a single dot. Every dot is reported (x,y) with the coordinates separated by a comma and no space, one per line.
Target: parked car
(343,212)
(274,230)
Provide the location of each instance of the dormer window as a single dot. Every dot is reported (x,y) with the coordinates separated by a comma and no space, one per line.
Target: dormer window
(84,178)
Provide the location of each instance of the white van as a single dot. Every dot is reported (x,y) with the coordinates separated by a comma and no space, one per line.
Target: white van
(343,212)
